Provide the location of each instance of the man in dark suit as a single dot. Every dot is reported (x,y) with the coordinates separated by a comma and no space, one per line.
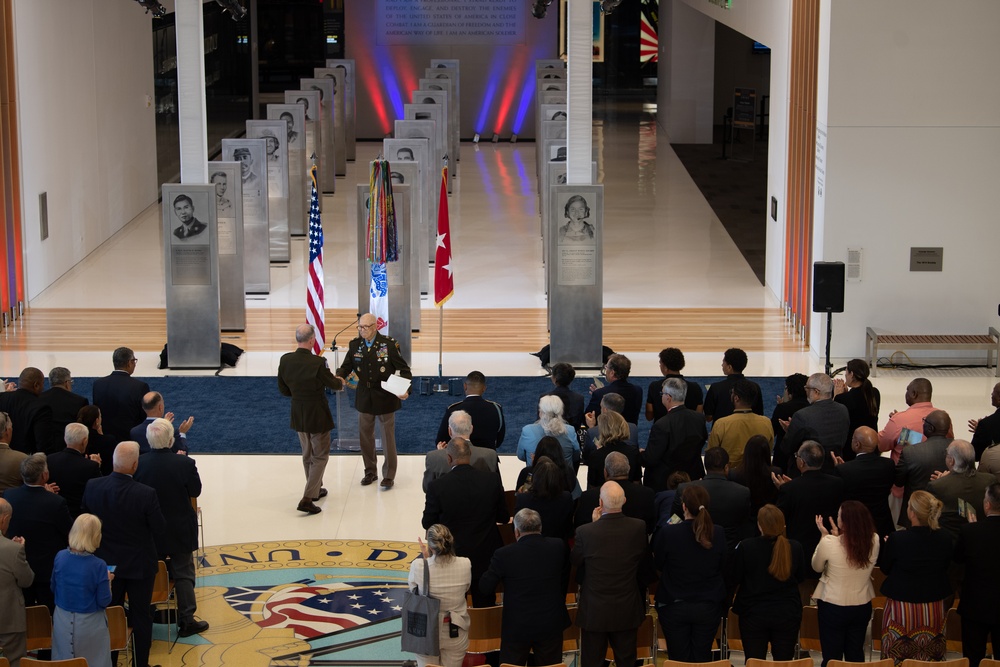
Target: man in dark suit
(918,463)
(813,493)
(153,406)
(869,478)
(978,546)
(534,572)
(71,468)
(825,421)
(372,358)
(130,517)
(671,365)
(60,398)
(119,396)
(42,519)
(616,371)
(436,461)
(15,574)
(640,501)
(471,503)
(175,479)
(718,398)
(32,419)
(304,376)
(729,502)
(675,441)
(613,568)
(961,489)
(986,431)
(488,426)
(562,377)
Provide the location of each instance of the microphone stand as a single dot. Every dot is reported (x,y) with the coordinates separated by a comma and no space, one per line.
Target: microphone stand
(339,443)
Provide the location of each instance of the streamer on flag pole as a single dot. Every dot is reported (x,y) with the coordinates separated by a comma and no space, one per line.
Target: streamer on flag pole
(381,243)
(314,281)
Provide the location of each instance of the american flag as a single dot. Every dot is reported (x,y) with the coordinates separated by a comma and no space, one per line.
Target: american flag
(314,281)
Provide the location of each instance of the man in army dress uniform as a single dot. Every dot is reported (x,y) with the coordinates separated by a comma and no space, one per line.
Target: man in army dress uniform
(373,357)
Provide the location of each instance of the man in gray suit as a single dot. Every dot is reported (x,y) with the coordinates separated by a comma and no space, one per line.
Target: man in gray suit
(961,488)
(918,463)
(436,462)
(15,574)
(824,420)
(614,566)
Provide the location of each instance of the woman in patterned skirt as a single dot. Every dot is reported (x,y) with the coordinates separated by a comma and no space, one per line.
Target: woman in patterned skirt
(916,562)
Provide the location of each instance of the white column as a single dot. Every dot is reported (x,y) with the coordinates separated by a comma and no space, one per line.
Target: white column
(686,73)
(191,115)
(580,91)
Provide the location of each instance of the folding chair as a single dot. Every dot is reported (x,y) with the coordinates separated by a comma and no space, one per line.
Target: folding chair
(801,662)
(484,629)
(39,628)
(958,662)
(163,597)
(121,634)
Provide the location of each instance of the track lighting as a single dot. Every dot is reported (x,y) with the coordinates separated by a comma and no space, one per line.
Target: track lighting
(152,7)
(235,9)
(608,6)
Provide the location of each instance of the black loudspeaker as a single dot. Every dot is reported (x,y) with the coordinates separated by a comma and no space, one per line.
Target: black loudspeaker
(828,287)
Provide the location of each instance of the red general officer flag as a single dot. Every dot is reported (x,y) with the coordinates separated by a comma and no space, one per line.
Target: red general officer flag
(444,284)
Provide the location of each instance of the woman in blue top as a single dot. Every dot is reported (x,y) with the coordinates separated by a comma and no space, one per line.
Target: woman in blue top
(81,583)
(550,422)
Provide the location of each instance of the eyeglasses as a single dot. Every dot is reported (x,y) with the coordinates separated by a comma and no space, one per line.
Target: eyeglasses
(366,326)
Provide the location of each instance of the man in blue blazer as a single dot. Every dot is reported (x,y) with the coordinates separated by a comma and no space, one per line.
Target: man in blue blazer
(119,396)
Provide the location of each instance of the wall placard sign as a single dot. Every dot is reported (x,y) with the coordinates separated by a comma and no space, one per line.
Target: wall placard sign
(479,22)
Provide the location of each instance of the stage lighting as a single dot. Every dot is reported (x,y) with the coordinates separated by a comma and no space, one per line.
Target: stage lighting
(152,7)
(608,6)
(475,139)
(235,9)
(539,7)
(513,138)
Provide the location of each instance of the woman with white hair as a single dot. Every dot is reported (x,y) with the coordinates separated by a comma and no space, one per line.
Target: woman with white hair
(81,583)
(550,422)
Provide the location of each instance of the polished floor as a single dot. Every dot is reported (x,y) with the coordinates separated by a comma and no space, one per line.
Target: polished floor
(664,249)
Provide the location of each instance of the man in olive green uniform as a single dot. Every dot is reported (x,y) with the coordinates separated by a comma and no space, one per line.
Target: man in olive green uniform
(303,376)
(373,357)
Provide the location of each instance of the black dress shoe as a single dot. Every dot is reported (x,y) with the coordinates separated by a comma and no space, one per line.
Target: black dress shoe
(368,479)
(307,506)
(386,484)
(192,628)
(322,494)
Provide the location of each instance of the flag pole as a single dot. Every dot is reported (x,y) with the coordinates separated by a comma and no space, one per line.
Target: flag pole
(440,387)
(444,285)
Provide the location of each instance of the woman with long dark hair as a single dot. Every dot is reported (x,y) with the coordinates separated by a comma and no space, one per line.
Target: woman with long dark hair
(860,397)
(550,448)
(768,570)
(754,472)
(845,557)
(548,496)
(690,556)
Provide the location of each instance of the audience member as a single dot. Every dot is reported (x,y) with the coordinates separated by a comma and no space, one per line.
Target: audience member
(65,405)
(862,400)
(915,562)
(755,471)
(71,469)
(471,503)
(918,400)
(768,570)
(824,421)
(664,500)
(81,584)
(986,431)
(550,423)
(977,548)
(42,518)
(845,557)
(990,461)
(690,557)
(10,459)
(869,478)
(614,567)
(961,489)
(789,402)
(671,365)
(436,460)
(450,576)
(548,497)
(918,463)
(15,574)
(562,377)
(488,426)
(176,481)
(153,406)
(550,448)
(613,433)
(718,399)
(616,371)
(610,403)
(32,419)
(728,501)
(534,572)
(732,432)
(675,441)
(130,517)
(119,396)
(639,500)
(98,442)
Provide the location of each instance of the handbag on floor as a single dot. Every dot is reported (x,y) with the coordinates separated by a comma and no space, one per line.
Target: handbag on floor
(420,619)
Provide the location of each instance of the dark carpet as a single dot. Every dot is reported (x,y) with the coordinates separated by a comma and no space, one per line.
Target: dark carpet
(247,415)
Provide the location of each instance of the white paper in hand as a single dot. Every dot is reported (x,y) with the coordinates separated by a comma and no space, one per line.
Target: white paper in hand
(396,384)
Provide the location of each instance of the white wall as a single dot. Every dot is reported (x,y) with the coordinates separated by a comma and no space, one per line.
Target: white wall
(914,138)
(685,73)
(87,135)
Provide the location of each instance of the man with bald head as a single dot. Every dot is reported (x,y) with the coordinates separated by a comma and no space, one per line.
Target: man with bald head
(153,406)
(436,461)
(961,488)
(372,358)
(868,478)
(130,518)
(918,400)
(305,376)
(918,463)
(31,417)
(824,421)
(614,566)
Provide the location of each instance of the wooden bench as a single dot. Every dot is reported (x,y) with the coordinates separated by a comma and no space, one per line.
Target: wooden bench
(990,343)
